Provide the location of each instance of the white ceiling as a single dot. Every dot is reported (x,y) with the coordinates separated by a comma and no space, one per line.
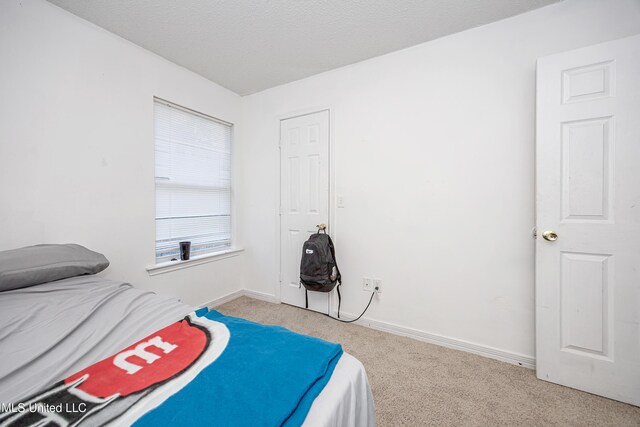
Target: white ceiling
(251,45)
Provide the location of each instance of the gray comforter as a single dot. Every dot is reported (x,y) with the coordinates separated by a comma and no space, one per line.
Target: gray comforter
(50,331)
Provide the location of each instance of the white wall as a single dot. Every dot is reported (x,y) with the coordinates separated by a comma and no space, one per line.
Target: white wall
(434,155)
(76,144)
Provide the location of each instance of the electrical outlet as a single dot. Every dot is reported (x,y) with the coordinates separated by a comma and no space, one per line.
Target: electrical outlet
(367,284)
(377,286)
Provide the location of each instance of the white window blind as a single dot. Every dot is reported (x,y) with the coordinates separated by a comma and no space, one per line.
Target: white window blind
(193,182)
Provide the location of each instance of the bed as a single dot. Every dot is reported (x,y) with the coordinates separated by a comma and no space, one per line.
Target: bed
(53,330)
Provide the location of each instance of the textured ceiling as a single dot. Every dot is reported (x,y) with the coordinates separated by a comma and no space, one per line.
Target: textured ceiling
(251,45)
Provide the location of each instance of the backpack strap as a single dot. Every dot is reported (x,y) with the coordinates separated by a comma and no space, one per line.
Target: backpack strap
(339,278)
(306,298)
(339,298)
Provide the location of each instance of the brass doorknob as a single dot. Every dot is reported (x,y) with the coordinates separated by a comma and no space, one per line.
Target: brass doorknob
(550,235)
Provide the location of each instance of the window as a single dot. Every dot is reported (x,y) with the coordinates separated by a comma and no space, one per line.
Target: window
(193,182)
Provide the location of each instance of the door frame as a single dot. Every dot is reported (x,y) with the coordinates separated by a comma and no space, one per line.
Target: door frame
(332,186)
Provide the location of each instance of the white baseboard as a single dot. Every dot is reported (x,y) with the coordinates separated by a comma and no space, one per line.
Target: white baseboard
(237,294)
(456,344)
(226,298)
(261,296)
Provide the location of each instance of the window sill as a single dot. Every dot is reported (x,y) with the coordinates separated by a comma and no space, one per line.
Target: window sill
(166,267)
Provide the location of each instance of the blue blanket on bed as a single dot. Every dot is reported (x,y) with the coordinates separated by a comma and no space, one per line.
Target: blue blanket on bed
(207,369)
(267,376)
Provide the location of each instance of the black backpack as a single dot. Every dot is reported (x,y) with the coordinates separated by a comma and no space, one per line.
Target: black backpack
(318,268)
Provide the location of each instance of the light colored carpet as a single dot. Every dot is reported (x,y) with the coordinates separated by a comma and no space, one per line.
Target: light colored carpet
(420,384)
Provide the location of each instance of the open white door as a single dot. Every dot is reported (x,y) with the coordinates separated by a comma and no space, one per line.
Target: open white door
(304,198)
(588,196)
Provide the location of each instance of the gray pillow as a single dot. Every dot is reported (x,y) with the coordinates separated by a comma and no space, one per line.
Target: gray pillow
(37,264)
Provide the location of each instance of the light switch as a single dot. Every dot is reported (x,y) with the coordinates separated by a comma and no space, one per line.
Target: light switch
(340,201)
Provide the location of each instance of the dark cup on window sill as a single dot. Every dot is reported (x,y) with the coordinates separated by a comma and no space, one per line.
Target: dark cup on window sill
(185,250)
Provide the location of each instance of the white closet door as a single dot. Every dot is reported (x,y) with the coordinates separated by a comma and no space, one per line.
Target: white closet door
(304,195)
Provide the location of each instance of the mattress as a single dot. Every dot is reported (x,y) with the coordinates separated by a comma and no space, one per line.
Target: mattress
(346,400)
(50,331)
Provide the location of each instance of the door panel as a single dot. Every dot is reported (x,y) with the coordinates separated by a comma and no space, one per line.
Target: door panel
(588,192)
(584,303)
(586,153)
(304,193)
